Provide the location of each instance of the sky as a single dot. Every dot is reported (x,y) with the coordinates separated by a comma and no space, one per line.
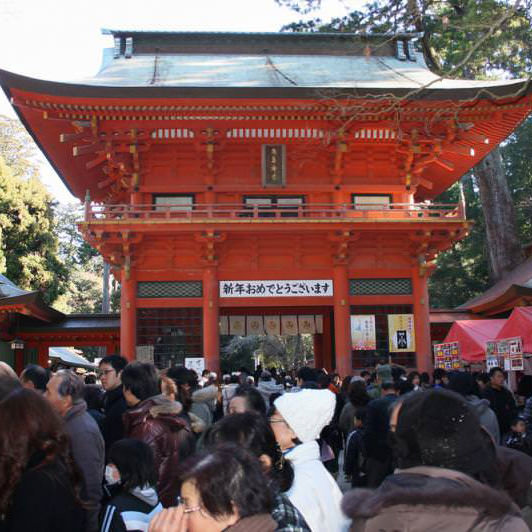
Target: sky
(61,39)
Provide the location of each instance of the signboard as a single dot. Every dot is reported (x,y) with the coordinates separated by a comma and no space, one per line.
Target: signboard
(492,355)
(401,334)
(447,356)
(302,288)
(273,165)
(144,353)
(512,351)
(197,364)
(363,337)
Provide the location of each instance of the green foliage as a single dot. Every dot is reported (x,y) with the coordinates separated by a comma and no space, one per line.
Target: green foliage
(28,238)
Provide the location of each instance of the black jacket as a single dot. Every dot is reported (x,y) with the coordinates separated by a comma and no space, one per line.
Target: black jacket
(503,404)
(114,405)
(44,501)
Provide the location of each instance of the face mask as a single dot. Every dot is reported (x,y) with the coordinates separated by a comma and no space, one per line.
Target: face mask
(112,476)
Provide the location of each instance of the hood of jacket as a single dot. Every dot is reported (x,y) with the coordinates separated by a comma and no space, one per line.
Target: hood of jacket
(158,407)
(270,387)
(429,486)
(146,494)
(479,405)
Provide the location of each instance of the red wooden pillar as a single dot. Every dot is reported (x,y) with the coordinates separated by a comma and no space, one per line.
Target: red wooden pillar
(318,350)
(211,327)
(342,331)
(128,315)
(422,321)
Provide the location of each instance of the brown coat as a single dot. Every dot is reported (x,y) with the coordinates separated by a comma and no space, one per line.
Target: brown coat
(157,422)
(254,523)
(431,498)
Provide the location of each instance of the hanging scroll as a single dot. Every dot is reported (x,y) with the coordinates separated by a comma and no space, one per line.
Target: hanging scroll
(363,337)
(272,325)
(237,325)
(306,324)
(289,325)
(401,333)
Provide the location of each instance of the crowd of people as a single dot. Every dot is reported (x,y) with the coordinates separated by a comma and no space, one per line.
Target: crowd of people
(138,449)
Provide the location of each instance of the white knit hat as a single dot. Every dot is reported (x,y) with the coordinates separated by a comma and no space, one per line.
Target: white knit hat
(307,412)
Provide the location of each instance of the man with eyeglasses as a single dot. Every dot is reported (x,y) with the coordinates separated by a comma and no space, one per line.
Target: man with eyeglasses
(114,404)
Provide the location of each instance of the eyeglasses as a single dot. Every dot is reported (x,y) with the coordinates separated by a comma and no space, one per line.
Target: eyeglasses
(105,372)
(180,501)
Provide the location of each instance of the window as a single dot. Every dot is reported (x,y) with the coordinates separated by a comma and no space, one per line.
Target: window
(371,202)
(287,204)
(176,202)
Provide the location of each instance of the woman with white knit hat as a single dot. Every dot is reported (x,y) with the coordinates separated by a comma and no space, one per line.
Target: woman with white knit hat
(297,422)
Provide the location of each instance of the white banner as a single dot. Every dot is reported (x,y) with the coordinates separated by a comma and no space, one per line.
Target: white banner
(197,364)
(303,288)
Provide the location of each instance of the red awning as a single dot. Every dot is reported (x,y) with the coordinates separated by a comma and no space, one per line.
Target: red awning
(473,335)
(519,324)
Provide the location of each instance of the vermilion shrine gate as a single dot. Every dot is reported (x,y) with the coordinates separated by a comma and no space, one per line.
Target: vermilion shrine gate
(209,160)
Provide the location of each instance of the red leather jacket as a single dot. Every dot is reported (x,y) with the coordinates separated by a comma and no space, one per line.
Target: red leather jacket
(158,422)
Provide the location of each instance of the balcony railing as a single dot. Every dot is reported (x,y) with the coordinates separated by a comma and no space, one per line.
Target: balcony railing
(238,213)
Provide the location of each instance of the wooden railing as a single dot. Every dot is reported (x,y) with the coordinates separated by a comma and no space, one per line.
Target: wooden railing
(202,212)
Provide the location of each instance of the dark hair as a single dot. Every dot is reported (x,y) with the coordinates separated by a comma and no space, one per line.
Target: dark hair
(93,396)
(273,397)
(31,430)
(482,376)
(307,374)
(253,398)
(439,373)
(36,374)
(7,385)
(516,420)
(389,385)
(141,379)
(253,433)
(135,463)
(412,375)
(228,479)
(90,378)
(424,378)
(357,394)
(361,412)
(524,387)
(462,383)
(117,362)
(182,378)
(494,370)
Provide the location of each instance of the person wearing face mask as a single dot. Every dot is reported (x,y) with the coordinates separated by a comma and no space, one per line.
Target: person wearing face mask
(130,476)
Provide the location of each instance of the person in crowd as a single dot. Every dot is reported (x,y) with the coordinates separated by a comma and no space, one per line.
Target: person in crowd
(204,399)
(8,384)
(518,438)
(65,393)
(247,399)
(366,375)
(306,378)
(383,376)
(7,371)
(267,386)
(297,422)
(228,391)
(130,473)
(169,389)
(440,378)
(40,486)
(93,396)
(253,433)
(424,380)
(355,454)
(357,397)
(524,389)
(157,421)
(464,384)
(446,479)
(482,379)
(35,378)
(501,400)
(378,451)
(414,378)
(344,388)
(223,489)
(114,404)
(90,378)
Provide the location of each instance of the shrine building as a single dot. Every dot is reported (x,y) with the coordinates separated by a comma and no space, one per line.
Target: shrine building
(244,183)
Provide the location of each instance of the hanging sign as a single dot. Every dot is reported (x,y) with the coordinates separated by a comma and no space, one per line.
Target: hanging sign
(306,324)
(511,349)
(492,355)
(447,355)
(197,364)
(289,325)
(272,325)
(254,325)
(401,333)
(303,288)
(363,336)
(224,325)
(237,325)
(145,353)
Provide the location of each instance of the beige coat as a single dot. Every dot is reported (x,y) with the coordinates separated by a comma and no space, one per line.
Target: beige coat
(423,499)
